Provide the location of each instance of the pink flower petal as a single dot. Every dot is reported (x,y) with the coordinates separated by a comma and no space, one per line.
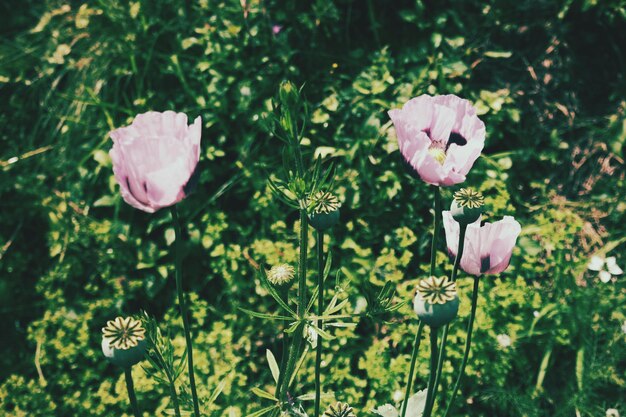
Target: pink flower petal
(154,158)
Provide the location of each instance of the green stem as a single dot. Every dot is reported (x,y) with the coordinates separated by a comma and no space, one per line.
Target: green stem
(444,336)
(468,344)
(436,221)
(430,392)
(297,338)
(130,387)
(285,353)
(320,311)
(174,396)
(433,258)
(183,311)
(409,383)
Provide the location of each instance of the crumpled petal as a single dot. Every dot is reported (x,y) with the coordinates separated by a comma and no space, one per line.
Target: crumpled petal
(487,249)
(427,121)
(154,158)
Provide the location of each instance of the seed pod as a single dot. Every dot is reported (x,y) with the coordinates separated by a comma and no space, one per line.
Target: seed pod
(467,206)
(323,210)
(436,301)
(123,341)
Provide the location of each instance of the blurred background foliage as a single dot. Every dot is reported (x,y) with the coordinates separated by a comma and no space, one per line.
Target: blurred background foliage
(547,77)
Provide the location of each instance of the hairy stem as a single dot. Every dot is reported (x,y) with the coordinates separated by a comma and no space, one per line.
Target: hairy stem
(320,308)
(298,337)
(174,396)
(184,312)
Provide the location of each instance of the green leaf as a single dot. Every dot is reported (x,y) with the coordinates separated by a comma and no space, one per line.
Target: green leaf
(271,360)
(263,394)
(264,315)
(498,54)
(263,411)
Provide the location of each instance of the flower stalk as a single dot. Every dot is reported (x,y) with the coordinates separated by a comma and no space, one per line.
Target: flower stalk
(468,344)
(444,335)
(433,259)
(320,311)
(184,311)
(430,398)
(409,382)
(130,387)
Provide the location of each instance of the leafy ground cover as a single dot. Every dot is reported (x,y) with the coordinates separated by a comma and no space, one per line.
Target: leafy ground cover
(546,76)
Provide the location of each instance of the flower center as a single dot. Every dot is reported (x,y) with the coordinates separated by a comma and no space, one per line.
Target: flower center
(324,202)
(438,151)
(470,198)
(437,290)
(124,332)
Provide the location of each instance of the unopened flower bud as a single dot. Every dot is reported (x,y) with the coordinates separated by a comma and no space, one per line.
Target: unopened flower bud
(289,94)
(323,210)
(467,206)
(436,301)
(281,274)
(123,341)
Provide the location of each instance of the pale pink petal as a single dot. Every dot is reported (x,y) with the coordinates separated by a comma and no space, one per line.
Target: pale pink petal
(154,158)
(442,123)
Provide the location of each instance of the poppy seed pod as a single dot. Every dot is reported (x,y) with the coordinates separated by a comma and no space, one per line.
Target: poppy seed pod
(123,341)
(467,206)
(436,301)
(323,210)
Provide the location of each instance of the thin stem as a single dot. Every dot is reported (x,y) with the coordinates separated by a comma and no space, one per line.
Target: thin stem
(130,387)
(468,344)
(430,394)
(433,258)
(183,311)
(444,336)
(297,338)
(409,382)
(284,293)
(436,221)
(174,396)
(320,310)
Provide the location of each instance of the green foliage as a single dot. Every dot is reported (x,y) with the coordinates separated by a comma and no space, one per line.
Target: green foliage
(547,78)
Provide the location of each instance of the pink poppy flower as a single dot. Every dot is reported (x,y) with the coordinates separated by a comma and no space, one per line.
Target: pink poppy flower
(154,158)
(487,248)
(440,137)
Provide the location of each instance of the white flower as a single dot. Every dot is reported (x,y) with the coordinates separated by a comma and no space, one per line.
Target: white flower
(612,412)
(415,407)
(397,396)
(598,264)
(504,340)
